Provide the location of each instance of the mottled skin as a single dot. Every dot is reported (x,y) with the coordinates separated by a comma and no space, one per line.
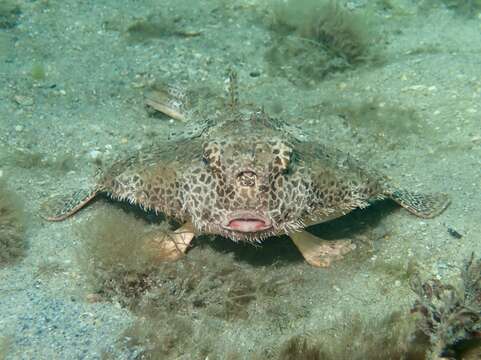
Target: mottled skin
(244,175)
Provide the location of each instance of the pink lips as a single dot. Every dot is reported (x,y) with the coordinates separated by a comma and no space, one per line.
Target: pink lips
(247,222)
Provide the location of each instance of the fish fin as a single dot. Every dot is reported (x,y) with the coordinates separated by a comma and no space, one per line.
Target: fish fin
(422,205)
(317,252)
(61,207)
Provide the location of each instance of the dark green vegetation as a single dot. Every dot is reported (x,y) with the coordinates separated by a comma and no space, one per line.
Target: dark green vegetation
(38,72)
(121,267)
(9,14)
(356,339)
(362,339)
(12,226)
(214,289)
(403,271)
(312,39)
(451,315)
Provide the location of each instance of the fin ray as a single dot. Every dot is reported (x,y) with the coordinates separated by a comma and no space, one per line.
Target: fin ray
(62,208)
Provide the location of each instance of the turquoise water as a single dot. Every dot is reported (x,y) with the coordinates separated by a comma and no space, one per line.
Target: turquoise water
(395,84)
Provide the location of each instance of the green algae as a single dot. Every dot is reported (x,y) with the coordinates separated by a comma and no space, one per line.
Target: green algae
(12,226)
(9,14)
(359,339)
(38,72)
(313,39)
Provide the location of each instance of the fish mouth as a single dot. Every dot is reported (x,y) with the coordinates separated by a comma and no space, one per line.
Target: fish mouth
(247,222)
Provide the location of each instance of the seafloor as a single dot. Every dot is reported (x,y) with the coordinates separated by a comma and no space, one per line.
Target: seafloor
(73,75)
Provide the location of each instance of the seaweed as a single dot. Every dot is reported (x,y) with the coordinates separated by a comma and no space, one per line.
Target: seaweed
(360,338)
(399,270)
(154,340)
(313,39)
(13,243)
(451,315)
(118,265)
(121,265)
(9,14)
(299,348)
(38,72)
(121,268)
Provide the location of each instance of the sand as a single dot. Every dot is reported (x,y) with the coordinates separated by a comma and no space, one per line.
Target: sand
(71,95)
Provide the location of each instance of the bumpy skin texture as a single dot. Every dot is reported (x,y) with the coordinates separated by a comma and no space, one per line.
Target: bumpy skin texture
(236,171)
(246,176)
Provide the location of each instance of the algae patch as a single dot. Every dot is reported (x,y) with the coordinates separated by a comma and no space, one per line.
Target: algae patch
(12,226)
(38,72)
(451,314)
(120,267)
(312,39)
(358,339)
(113,257)
(9,14)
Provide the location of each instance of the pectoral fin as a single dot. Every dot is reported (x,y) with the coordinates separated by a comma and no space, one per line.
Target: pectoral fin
(318,252)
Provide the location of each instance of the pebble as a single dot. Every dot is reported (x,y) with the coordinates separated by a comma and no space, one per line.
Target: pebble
(94,154)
